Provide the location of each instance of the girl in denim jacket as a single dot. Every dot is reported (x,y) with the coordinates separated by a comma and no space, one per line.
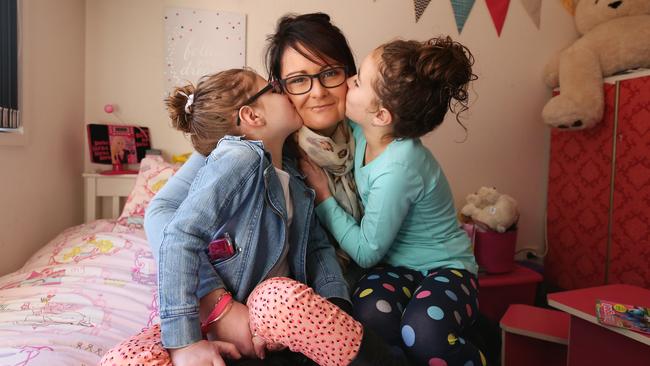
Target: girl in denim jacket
(249,214)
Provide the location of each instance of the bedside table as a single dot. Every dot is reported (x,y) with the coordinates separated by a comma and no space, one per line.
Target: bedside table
(98,186)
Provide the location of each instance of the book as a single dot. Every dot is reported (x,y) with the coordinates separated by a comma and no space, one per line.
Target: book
(626,316)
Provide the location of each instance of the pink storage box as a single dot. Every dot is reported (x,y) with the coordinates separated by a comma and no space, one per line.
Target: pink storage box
(494,251)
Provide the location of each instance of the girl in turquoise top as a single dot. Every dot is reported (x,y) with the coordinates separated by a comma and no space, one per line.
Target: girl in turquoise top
(420,292)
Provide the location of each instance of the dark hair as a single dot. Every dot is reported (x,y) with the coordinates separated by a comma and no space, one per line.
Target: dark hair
(213,111)
(316,34)
(420,81)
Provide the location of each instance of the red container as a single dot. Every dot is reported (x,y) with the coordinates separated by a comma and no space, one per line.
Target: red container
(494,251)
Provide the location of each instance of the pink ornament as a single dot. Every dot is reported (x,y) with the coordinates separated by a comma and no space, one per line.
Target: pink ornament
(108,108)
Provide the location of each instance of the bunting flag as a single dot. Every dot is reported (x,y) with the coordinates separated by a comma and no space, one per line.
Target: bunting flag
(461,12)
(498,11)
(569,6)
(534,10)
(420,7)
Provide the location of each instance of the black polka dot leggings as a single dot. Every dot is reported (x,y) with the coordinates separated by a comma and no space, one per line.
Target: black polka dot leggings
(424,315)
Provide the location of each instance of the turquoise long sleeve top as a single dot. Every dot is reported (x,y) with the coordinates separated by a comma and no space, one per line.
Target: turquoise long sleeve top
(409,215)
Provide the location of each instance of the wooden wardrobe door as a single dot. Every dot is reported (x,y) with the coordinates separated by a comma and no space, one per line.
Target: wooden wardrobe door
(630,246)
(578,202)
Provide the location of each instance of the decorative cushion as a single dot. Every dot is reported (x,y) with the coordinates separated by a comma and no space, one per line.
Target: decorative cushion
(154,173)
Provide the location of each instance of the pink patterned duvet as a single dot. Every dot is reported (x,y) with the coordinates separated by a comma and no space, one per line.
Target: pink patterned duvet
(86,290)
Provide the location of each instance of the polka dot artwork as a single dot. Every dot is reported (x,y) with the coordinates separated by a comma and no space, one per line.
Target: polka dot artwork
(200,42)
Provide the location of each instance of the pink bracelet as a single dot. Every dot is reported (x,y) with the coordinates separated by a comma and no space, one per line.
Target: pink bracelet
(221,307)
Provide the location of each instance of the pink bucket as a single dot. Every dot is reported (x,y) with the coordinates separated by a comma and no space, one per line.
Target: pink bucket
(494,251)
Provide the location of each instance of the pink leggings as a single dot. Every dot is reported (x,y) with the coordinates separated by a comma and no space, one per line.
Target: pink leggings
(288,312)
(282,311)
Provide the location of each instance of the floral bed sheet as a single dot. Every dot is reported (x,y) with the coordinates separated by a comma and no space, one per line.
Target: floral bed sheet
(86,290)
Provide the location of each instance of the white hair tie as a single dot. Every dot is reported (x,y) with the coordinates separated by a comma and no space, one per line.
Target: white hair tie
(190,100)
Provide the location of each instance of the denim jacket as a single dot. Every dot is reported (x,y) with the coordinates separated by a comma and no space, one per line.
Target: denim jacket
(237,192)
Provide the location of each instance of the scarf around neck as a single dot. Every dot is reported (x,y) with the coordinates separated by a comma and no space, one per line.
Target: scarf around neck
(336,156)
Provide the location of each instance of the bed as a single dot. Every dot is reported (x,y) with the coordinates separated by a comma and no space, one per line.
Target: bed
(87,289)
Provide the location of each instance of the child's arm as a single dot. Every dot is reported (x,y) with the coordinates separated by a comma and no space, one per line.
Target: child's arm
(161,210)
(186,236)
(390,197)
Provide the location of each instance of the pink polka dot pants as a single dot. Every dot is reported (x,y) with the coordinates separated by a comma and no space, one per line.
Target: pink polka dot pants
(290,313)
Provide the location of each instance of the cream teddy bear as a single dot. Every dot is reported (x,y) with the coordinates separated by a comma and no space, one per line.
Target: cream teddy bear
(491,209)
(615,37)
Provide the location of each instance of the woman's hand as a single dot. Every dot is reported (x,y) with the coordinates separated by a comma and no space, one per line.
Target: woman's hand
(316,178)
(234,328)
(204,353)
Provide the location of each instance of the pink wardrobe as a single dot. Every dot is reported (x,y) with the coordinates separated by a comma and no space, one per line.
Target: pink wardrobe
(598,214)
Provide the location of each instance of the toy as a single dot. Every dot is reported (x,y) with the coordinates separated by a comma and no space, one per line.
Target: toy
(491,209)
(614,38)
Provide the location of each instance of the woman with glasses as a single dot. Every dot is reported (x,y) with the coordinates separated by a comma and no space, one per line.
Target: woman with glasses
(311,59)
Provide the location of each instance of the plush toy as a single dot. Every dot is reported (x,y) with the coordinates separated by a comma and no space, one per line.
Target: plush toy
(491,209)
(615,37)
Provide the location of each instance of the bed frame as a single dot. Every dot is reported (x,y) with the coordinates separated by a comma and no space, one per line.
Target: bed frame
(100,189)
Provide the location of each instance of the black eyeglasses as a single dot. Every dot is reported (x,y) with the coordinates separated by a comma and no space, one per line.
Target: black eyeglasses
(274,86)
(328,78)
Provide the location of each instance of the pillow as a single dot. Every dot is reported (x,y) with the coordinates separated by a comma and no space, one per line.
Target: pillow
(154,173)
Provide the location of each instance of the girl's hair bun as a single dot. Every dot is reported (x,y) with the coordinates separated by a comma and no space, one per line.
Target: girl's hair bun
(176,103)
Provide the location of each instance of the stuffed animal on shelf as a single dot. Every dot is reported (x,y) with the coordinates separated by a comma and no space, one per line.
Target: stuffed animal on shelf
(491,209)
(615,37)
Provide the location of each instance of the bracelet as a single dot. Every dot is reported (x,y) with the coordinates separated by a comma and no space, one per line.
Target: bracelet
(221,307)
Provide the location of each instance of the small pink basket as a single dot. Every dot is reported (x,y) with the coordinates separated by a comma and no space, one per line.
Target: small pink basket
(494,251)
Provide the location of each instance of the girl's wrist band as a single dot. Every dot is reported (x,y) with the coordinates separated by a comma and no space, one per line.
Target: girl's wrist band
(221,307)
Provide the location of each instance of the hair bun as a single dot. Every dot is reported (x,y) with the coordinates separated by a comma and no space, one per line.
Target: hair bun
(176,103)
(447,64)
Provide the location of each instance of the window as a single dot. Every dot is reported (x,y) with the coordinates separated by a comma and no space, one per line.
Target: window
(9,115)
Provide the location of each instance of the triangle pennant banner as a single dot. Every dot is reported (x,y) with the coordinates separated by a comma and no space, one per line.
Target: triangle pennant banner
(498,11)
(420,7)
(534,10)
(461,12)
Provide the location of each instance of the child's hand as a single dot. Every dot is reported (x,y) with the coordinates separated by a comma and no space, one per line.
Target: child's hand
(316,178)
(234,328)
(204,353)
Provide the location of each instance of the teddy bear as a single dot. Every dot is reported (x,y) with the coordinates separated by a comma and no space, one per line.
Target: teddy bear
(615,37)
(491,209)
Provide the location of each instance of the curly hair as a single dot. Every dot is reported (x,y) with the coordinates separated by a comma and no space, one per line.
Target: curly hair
(420,81)
(316,35)
(213,110)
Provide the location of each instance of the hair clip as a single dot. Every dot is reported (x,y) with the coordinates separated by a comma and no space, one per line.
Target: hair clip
(190,100)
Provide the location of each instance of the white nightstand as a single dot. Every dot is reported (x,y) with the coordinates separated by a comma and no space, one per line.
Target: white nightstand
(112,186)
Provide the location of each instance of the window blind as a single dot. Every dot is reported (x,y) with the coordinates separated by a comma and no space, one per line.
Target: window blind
(9,114)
